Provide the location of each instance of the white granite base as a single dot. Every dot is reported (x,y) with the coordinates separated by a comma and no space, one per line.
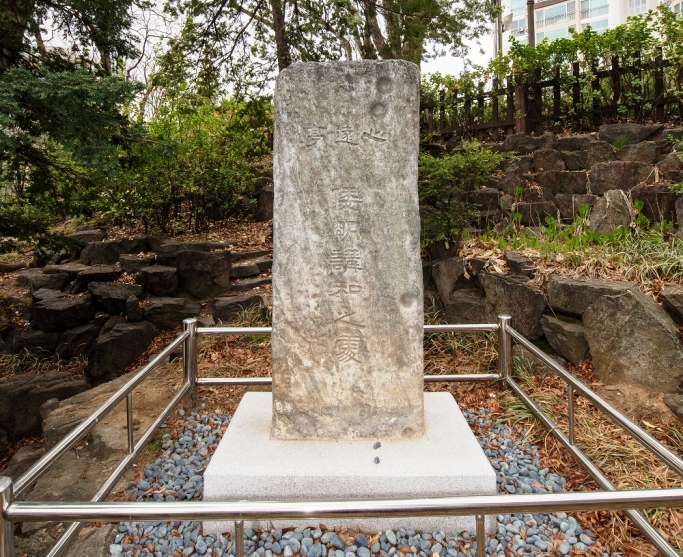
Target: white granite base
(447,461)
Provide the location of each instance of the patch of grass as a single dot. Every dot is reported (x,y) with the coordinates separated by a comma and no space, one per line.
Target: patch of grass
(155,445)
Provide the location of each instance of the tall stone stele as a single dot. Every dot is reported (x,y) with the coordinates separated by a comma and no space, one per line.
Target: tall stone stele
(347,277)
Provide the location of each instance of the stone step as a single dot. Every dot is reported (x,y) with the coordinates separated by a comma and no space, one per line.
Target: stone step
(248,284)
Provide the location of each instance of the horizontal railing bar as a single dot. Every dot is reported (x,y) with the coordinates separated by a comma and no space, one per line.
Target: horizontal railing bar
(71,532)
(462,378)
(40,467)
(638,433)
(461,328)
(234,330)
(264,510)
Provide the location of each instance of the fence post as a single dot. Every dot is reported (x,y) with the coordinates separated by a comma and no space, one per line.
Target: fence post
(557,95)
(480,110)
(6,527)
(494,108)
(522,106)
(595,89)
(467,113)
(239,538)
(616,86)
(510,105)
(129,422)
(190,359)
(481,536)
(638,105)
(442,111)
(659,87)
(576,96)
(504,347)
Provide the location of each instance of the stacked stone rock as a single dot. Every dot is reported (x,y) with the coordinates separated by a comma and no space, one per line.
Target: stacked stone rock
(78,309)
(555,176)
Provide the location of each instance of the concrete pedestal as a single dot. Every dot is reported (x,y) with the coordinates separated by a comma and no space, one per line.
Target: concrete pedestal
(446,461)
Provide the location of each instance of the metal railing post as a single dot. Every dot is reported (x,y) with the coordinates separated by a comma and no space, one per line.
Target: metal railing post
(481,536)
(6,527)
(129,421)
(190,359)
(239,538)
(504,347)
(570,412)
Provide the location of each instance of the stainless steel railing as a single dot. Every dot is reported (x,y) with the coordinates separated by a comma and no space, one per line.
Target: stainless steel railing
(97,510)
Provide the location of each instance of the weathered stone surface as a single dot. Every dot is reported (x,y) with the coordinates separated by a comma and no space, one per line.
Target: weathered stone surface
(633,340)
(204,274)
(136,244)
(675,402)
(59,314)
(133,310)
(112,296)
(524,144)
(466,306)
(224,309)
(574,142)
(22,460)
(245,271)
(671,167)
(244,285)
(486,199)
(159,280)
(548,159)
(509,295)
(133,264)
(96,273)
(71,269)
(264,265)
(87,236)
(599,151)
(575,296)
(101,253)
(264,206)
(248,255)
(569,204)
(627,134)
(622,175)
(168,313)
(33,341)
(21,397)
(567,338)
(155,241)
(36,279)
(45,293)
(563,182)
(119,348)
(659,202)
(537,194)
(610,212)
(519,264)
(575,160)
(679,212)
(447,274)
(167,253)
(534,214)
(672,298)
(647,152)
(346,234)
(78,341)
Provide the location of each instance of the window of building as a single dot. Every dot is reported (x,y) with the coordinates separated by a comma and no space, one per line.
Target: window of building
(556,14)
(553,34)
(601,25)
(518,7)
(676,8)
(593,8)
(637,7)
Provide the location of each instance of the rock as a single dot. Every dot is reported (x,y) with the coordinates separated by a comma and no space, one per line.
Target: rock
(36,279)
(548,159)
(88,236)
(679,211)
(520,264)
(486,199)
(101,253)
(21,397)
(534,214)
(204,275)
(96,273)
(671,167)
(563,182)
(622,175)
(132,264)
(101,317)
(672,298)
(574,142)
(659,202)
(515,297)
(466,306)
(33,341)
(599,151)
(133,311)
(22,460)
(647,152)
(167,253)
(45,293)
(675,402)
(159,280)
(264,265)
(524,144)
(72,269)
(627,134)
(135,245)
(575,296)
(249,284)
(120,347)
(575,160)
(224,309)
(537,194)
(247,255)
(569,204)
(112,296)
(111,323)
(610,212)
(447,274)
(78,341)
(264,206)
(245,271)
(168,313)
(59,314)
(567,338)
(633,340)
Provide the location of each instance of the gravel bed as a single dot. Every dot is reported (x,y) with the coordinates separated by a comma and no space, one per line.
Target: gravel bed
(177,475)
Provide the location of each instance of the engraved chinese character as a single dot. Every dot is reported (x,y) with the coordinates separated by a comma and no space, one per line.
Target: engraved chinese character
(313,135)
(342,229)
(373,135)
(340,288)
(347,345)
(345,135)
(349,198)
(343,320)
(343,259)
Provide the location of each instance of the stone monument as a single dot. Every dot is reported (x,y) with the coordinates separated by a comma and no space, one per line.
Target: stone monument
(348,418)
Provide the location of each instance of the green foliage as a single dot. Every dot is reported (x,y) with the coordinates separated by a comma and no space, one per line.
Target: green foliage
(444,183)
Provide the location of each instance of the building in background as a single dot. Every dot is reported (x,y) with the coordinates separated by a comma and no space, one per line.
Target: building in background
(554,18)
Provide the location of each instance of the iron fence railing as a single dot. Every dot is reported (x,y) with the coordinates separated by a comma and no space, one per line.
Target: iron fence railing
(96,510)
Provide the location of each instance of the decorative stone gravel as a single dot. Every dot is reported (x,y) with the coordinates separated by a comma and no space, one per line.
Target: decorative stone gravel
(177,475)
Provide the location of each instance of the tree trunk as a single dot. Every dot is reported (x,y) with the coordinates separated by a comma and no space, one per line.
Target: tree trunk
(16,18)
(284,57)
